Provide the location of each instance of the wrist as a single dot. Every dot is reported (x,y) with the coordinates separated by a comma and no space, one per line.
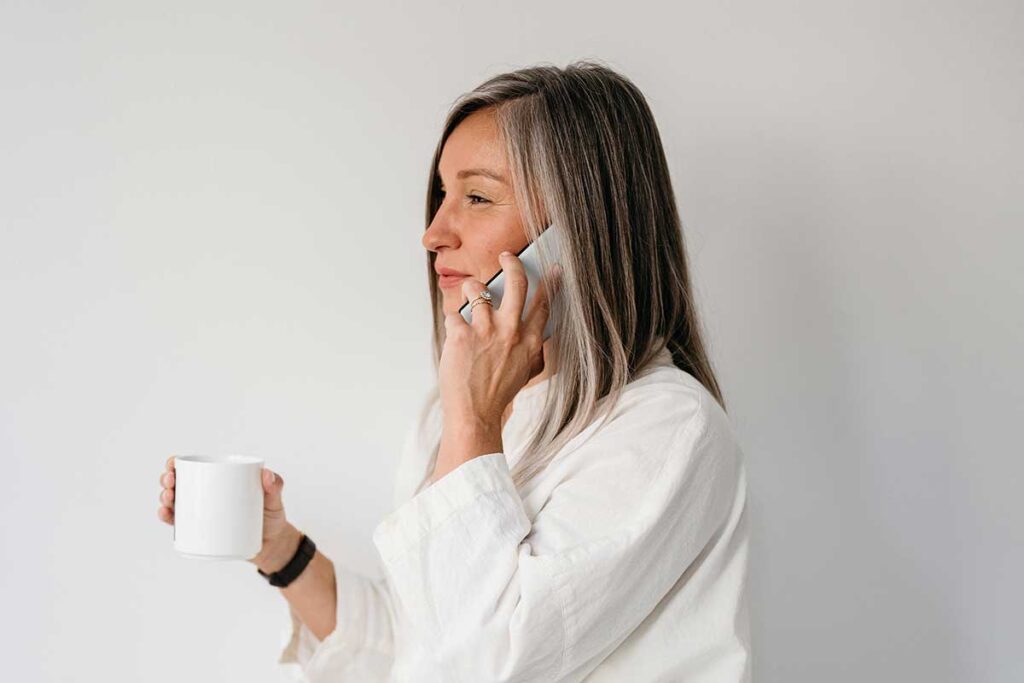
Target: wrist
(469,426)
(279,552)
(464,440)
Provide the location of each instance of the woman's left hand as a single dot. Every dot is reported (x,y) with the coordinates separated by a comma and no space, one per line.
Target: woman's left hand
(485,363)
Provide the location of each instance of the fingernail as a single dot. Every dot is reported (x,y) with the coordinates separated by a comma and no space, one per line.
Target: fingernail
(505,254)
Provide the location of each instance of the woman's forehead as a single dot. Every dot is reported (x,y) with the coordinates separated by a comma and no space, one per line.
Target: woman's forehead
(474,144)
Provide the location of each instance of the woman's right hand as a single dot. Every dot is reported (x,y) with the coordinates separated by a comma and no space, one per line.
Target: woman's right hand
(280,538)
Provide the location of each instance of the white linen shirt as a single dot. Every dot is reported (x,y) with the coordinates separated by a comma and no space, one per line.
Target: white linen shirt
(624,560)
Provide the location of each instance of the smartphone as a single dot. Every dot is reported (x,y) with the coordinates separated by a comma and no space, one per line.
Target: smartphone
(531,263)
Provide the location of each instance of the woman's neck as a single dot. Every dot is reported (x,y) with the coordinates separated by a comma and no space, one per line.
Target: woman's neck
(549,370)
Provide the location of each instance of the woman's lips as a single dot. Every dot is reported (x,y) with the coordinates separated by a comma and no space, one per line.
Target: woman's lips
(450,280)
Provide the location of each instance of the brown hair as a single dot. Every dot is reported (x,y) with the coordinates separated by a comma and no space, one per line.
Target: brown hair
(585,154)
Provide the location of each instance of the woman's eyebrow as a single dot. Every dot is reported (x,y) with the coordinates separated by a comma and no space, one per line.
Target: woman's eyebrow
(486,172)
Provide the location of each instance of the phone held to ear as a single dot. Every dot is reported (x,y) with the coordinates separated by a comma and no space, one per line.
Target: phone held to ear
(531,263)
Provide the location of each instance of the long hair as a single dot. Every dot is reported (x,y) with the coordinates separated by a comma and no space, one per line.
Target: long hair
(585,154)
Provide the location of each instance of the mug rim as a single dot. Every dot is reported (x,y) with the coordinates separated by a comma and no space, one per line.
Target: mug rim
(227,459)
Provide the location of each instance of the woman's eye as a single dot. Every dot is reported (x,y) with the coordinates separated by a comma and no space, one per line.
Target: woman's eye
(471,197)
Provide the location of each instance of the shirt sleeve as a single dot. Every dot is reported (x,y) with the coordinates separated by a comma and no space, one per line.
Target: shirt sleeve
(495,595)
(361,648)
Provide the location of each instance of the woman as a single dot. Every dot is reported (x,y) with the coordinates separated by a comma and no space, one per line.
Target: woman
(568,509)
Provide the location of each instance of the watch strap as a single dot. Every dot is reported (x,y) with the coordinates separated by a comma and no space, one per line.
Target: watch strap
(291,571)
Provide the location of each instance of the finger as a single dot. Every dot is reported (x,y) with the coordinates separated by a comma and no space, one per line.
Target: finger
(167,497)
(170,463)
(540,304)
(452,321)
(167,479)
(480,317)
(514,295)
(165,514)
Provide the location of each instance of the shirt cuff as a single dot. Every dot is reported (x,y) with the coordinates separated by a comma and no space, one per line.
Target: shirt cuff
(299,644)
(362,636)
(408,526)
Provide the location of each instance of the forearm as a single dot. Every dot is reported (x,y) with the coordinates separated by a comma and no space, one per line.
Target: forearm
(313,594)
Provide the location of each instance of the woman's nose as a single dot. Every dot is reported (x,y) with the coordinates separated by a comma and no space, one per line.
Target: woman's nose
(439,235)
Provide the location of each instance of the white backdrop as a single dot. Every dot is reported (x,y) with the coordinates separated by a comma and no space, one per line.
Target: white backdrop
(210,240)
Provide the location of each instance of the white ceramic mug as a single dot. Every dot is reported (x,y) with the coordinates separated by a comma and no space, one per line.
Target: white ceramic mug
(218,506)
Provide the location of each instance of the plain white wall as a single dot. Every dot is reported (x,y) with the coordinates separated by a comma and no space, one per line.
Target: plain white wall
(210,240)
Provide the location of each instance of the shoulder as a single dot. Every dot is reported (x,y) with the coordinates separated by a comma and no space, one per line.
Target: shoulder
(665,457)
(665,421)
(663,400)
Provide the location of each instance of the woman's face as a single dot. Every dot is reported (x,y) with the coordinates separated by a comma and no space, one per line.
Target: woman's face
(478,217)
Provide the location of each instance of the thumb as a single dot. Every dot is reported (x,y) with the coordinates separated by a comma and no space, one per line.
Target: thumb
(272,486)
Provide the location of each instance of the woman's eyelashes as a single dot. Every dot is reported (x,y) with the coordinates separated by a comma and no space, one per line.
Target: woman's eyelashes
(471,197)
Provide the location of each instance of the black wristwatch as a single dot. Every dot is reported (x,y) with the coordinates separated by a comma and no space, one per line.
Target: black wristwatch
(291,571)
